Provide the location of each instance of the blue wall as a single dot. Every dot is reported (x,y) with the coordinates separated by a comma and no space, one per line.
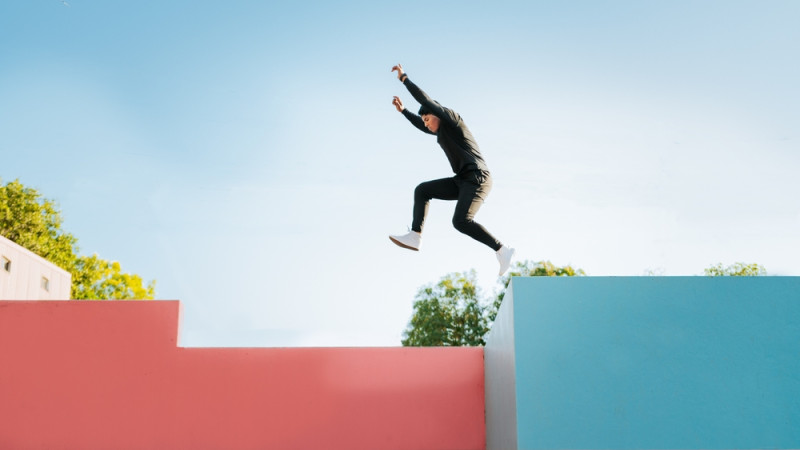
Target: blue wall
(648,362)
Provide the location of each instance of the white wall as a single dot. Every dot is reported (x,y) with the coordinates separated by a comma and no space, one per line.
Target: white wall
(24,279)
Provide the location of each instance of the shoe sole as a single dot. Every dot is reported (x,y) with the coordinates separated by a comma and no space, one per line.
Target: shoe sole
(400,244)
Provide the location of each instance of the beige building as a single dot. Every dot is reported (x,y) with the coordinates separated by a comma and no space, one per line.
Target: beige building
(25,275)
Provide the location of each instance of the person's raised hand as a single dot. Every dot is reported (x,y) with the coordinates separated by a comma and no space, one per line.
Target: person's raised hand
(399,69)
(398,104)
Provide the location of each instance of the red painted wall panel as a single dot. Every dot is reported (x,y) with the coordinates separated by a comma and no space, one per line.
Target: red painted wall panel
(100,375)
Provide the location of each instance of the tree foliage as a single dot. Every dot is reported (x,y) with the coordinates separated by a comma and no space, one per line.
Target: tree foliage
(34,222)
(738,269)
(97,279)
(452,312)
(448,313)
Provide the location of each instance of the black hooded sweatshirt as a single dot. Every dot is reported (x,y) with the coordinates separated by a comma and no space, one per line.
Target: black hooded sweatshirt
(453,135)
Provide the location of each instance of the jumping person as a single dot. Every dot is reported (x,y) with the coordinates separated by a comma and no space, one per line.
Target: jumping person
(469,187)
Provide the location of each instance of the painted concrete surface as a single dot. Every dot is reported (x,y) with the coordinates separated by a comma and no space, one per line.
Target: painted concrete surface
(500,377)
(101,375)
(655,362)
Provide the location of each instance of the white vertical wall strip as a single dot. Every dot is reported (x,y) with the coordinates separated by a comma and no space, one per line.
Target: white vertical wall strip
(500,378)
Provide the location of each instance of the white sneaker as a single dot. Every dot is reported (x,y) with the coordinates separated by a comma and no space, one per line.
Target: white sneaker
(504,258)
(409,241)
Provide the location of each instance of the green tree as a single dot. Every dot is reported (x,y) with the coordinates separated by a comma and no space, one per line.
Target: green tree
(97,279)
(448,313)
(738,269)
(452,312)
(34,222)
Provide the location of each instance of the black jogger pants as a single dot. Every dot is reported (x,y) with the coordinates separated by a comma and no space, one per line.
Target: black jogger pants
(470,190)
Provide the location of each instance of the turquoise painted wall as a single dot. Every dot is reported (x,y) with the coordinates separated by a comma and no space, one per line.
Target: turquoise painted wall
(652,362)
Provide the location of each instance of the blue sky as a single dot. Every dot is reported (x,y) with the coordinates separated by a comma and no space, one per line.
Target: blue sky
(246,155)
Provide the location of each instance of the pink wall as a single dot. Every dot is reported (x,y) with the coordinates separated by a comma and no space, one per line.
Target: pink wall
(101,375)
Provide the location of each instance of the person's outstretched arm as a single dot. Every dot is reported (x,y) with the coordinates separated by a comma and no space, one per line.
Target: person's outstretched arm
(413,118)
(419,95)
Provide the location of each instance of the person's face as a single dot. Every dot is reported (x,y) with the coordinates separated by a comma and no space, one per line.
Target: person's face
(431,122)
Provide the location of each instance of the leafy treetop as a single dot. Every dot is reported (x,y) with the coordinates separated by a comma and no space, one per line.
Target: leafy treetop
(34,222)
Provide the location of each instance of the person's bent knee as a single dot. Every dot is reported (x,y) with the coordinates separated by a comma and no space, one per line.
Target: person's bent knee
(461,224)
(421,191)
